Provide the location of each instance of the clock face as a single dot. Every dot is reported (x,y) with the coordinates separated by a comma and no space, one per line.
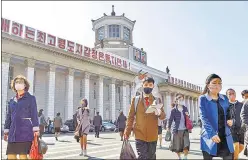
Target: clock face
(101,33)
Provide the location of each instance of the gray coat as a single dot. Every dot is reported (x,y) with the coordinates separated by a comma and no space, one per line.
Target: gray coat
(83,118)
(121,121)
(97,121)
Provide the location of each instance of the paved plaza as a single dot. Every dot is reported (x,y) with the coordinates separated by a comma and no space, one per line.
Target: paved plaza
(108,146)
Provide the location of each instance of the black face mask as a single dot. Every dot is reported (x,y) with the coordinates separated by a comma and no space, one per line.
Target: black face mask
(148,90)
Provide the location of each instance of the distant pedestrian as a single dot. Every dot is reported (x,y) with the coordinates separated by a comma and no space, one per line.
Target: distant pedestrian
(244,119)
(21,121)
(237,131)
(121,123)
(97,122)
(216,139)
(180,134)
(42,122)
(57,125)
(83,118)
(160,129)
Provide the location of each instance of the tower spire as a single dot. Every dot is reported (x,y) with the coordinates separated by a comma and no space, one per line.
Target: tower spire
(113,12)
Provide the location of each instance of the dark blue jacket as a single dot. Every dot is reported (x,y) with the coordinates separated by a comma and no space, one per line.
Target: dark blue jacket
(22,119)
(209,117)
(176,117)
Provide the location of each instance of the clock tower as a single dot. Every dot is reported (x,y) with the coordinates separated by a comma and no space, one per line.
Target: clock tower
(114,33)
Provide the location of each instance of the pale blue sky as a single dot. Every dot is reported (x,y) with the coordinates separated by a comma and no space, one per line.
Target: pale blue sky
(193,38)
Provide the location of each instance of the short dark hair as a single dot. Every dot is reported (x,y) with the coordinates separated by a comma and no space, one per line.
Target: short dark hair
(149,80)
(58,114)
(244,92)
(230,89)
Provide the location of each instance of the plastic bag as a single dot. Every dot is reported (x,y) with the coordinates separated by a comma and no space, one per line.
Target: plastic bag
(127,151)
(35,150)
(168,136)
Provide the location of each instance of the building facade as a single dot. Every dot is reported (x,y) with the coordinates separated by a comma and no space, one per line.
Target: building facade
(62,72)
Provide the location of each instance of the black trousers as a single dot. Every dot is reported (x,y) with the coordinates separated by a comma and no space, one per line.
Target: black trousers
(97,130)
(207,156)
(146,150)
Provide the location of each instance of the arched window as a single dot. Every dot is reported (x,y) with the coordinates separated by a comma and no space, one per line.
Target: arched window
(101,33)
(126,33)
(114,31)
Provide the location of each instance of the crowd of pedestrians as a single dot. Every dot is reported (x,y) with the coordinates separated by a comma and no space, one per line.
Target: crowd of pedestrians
(223,122)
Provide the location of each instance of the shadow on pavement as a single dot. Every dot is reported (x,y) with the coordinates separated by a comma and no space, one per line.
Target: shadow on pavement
(194,142)
(195,153)
(65,141)
(95,144)
(106,138)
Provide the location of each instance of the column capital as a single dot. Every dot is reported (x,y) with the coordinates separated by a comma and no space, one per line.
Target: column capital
(113,81)
(101,77)
(6,57)
(52,67)
(30,62)
(87,75)
(71,71)
(167,93)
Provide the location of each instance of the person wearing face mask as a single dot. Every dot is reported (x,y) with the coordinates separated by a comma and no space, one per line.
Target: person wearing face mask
(244,119)
(146,124)
(21,121)
(237,131)
(216,138)
(83,119)
(180,135)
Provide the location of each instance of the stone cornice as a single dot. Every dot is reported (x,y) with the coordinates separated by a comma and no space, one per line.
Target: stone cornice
(30,62)
(6,57)
(65,54)
(181,87)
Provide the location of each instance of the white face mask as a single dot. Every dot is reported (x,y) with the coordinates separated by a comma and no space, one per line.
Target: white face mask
(180,102)
(19,87)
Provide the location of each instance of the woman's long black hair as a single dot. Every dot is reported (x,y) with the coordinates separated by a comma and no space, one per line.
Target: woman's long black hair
(208,80)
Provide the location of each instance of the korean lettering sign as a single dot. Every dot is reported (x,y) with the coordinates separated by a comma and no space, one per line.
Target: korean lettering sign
(32,34)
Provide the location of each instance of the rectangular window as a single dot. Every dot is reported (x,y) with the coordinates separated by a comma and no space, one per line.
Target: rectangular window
(94,92)
(11,75)
(126,33)
(34,82)
(119,93)
(81,88)
(108,92)
(114,31)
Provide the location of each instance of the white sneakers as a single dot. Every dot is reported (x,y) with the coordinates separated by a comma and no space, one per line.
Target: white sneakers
(83,153)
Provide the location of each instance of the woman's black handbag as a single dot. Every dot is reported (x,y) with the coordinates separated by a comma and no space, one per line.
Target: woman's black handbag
(168,136)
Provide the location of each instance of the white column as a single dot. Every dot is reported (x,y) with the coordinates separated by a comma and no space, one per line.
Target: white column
(5,84)
(69,95)
(87,87)
(124,98)
(112,99)
(127,99)
(168,103)
(196,110)
(100,96)
(188,104)
(51,91)
(30,74)
(191,109)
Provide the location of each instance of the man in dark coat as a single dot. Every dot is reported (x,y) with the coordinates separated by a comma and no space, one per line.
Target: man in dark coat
(244,119)
(97,122)
(237,131)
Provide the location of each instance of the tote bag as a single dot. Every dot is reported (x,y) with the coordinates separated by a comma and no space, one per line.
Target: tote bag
(189,124)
